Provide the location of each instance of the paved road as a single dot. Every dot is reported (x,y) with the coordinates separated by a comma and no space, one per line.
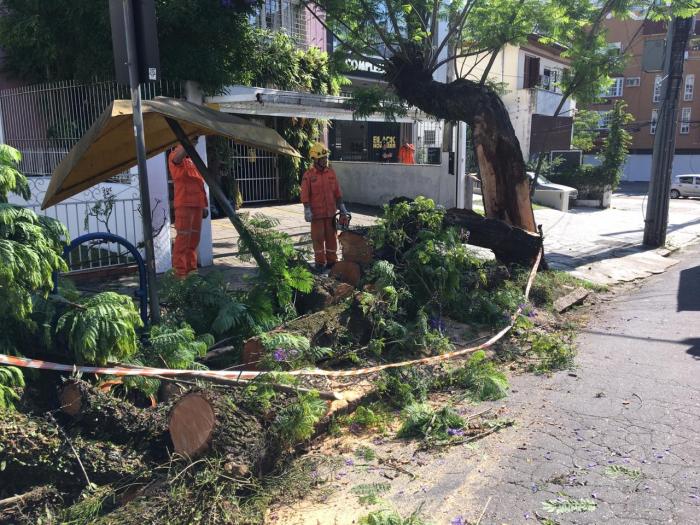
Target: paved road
(635,402)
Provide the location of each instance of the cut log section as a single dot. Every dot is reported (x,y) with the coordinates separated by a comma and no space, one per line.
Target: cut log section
(508,243)
(347,272)
(356,247)
(207,421)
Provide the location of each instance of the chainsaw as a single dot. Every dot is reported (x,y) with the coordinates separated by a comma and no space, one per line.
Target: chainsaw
(341,221)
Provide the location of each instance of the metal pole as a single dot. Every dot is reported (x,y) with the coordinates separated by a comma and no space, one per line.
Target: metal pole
(656,221)
(141,157)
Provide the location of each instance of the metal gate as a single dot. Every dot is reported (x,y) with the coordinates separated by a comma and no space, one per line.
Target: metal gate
(256,172)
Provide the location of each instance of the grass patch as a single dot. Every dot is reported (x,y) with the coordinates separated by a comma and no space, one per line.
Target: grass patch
(552,284)
(366,453)
(422,421)
(369,493)
(390,517)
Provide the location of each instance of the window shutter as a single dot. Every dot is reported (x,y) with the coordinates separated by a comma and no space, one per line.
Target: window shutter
(532,72)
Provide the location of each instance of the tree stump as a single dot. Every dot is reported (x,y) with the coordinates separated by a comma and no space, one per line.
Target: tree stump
(204,421)
(35,451)
(106,417)
(356,247)
(347,271)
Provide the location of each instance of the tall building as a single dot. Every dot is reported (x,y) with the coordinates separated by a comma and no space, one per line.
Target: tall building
(642,91)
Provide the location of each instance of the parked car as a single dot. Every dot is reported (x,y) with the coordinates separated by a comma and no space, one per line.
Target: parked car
(685,186)
(543,184)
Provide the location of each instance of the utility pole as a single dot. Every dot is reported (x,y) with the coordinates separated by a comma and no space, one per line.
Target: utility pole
(134,84)
(656,221)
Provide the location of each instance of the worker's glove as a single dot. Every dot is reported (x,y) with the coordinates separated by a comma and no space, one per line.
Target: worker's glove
(308,216)
(342,209)
(205,213)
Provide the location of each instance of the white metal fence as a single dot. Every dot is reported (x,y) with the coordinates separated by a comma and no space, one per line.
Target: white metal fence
(256,172)
(44,122)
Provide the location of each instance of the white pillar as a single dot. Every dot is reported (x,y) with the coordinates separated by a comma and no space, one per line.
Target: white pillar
(160,211)
(205,253)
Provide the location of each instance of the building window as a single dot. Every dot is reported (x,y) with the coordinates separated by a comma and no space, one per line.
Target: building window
(531,72)
(633,81)
(654,120)
(550,79)
(429,137)
(657,88)
(604,119)
(286,16)
(615,89)
(685,121)
(689,87)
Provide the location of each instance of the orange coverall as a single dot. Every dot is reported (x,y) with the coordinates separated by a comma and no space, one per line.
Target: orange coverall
(321,191)
(190,201)
(407,154)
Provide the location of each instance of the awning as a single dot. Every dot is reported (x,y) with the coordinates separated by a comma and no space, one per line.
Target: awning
(109,146)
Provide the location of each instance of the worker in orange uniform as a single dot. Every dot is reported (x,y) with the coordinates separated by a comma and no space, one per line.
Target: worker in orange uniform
(407,153)
(191,207)
(321,196)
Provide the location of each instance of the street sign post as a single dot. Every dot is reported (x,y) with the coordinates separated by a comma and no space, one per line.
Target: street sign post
(133,27)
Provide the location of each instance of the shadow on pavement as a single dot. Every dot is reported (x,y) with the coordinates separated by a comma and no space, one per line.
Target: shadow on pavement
(694,342)
(689,290)
(694,350)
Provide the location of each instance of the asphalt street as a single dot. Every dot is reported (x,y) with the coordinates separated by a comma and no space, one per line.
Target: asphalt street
(624,429)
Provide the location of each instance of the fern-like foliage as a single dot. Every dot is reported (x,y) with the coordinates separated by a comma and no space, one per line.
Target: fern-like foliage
(208,305)
(168,346)
(11,378)
(296,422)
(11,179)
(288,272)
(390,517)
(30,251)
(481,378)
(103,329)
(422,421)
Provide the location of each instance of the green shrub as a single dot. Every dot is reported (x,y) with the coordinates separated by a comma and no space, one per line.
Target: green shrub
(390,517)
(11,379)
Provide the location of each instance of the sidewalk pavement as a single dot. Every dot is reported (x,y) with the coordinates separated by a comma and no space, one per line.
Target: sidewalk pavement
(602,246)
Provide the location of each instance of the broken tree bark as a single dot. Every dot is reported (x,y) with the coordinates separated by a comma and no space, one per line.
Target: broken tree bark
(323,328)
(505,186)
(508,243)
(34,450)
(356,247)
(348,272)
(207,421)
(325,292)
(105,416)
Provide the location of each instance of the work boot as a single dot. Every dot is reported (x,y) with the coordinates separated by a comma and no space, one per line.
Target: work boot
(330,265)
(319,268)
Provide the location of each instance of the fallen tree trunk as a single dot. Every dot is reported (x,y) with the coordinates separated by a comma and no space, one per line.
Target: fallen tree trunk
(356,247)
(34,451)
(324,328)
(105,417)
(508,243)
(204,421)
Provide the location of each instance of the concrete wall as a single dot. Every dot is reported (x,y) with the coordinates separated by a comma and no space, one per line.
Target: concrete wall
(638,166)
(375,184)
